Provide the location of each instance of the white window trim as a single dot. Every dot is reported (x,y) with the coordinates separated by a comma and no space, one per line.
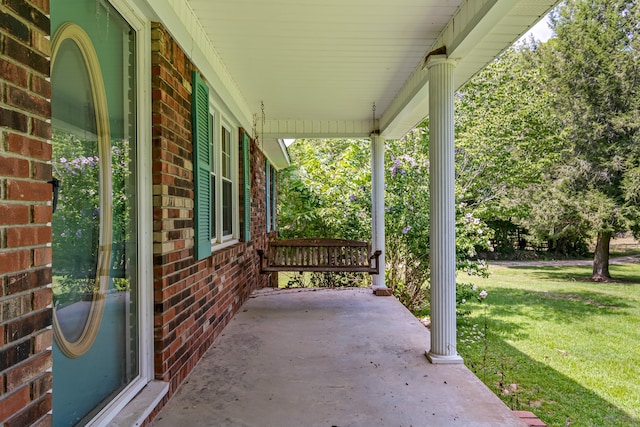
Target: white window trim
(218,240)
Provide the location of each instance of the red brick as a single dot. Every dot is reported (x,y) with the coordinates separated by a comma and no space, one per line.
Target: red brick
(42,298)
(29,191)
(27,371)
(14,261)
(14,26)
(29,147)
(43,384)
(37,17)
(25,101)
(28,236)
(26,281)
(14,214)
(42,257)
(41,5)
(43,341)
(41,171)
(13,120)
(27,56)
(14,353)
(15,307)
(41,214)
(11,166)
(28,325)
(13,73)
(40,43)
(41,86)
(32,413)
(40,128)
(15,402)
(1,344)
(45,421)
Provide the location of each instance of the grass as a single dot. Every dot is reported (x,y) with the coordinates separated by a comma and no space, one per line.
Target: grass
(549,341)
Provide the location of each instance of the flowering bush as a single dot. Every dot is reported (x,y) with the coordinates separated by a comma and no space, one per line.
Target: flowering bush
(407,224)
(466,292)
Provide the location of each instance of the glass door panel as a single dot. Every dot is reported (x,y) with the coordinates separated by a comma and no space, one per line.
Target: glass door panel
(95,352)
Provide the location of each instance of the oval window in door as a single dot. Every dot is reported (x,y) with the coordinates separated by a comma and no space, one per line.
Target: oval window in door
(83,216)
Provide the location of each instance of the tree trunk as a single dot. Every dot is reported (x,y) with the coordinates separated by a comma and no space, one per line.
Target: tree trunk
(601,258)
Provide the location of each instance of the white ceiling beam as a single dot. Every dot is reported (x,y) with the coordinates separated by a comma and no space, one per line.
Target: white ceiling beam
(294,129)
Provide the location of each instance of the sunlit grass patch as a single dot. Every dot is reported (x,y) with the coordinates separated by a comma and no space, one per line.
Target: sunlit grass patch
(548,340)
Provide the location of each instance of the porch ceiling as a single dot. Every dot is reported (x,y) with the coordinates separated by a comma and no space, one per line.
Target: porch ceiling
(318,65)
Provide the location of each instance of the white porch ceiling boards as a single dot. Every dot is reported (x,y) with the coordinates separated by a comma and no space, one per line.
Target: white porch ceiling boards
(322,59)
(318,65)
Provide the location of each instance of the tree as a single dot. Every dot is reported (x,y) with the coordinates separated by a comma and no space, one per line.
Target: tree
(326,192)
(593,66)
(507,137)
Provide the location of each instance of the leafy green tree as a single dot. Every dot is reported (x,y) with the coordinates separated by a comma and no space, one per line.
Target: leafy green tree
(507,135)
(593,66)
(326,192)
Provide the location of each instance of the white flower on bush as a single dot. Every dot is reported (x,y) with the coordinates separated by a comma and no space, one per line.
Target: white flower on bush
(483,294)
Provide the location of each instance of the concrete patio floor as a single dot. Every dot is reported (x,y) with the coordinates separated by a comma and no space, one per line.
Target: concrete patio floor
(331,357)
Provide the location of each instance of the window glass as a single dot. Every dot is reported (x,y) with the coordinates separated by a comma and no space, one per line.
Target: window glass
(227,186)
(214,194)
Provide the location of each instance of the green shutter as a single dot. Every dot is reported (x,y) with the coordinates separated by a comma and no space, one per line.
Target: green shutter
(202,166)
(274,204)
(246,184)
(267,169)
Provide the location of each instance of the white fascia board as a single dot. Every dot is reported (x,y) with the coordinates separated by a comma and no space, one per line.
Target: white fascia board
(275,151)
(184,26)
(462,37)
(411,105)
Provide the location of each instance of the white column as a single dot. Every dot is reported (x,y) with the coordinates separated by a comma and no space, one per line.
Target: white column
(442,216)
(377,210)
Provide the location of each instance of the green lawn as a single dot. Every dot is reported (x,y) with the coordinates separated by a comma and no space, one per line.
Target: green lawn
(549,341)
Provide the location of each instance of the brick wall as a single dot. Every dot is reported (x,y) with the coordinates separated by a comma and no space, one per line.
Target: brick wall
(193,300)
(25,231)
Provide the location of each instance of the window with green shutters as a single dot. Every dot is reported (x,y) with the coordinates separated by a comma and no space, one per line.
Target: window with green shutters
(215,175)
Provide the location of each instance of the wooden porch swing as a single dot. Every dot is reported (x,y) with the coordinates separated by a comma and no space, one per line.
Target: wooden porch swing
(319,255)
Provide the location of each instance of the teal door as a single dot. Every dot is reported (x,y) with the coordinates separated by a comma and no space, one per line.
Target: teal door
(95,351)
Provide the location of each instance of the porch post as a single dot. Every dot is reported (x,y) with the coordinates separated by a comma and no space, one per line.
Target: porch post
(442,216)
(377,211)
